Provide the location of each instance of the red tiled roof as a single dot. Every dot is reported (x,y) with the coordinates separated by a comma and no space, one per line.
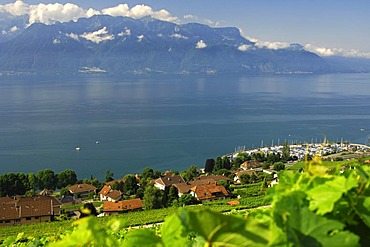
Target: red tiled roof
(169,179)
(209,191)
(185,187)
(8,212)
(80,188)
(249,172)
(249,164)
(6,199)
(105,190)
(114,194)
(28,207)
(123,205)
(233,203)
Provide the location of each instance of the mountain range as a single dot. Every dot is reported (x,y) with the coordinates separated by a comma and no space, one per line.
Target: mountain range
(123,45)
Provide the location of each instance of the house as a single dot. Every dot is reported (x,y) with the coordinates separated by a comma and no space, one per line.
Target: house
(209,192)
(110,208)
(184,188)
(240,173)
(108,194)
(46,192)
(167,181)
(275,181)
(249,164)
(82,190)
(68,200)
(15,211)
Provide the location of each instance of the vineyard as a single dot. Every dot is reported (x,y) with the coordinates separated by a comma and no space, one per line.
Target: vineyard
(139,218)
(319,207)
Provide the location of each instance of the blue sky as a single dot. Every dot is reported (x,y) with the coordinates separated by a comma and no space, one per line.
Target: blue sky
(328,27)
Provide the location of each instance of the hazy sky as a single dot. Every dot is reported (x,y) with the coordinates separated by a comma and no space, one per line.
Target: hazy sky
(327,27)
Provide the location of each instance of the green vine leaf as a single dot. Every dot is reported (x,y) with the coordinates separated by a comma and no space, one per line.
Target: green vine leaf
(142,237)
(324,196)
(219,230)
(305,228)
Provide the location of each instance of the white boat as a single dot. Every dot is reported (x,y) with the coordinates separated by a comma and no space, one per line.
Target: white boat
(78,148)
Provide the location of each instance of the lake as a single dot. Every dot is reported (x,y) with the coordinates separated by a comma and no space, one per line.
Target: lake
(170,122)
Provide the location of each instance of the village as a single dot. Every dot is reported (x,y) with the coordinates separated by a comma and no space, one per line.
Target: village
(193,186)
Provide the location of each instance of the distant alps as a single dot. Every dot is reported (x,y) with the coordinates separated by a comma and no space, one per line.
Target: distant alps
(123,45)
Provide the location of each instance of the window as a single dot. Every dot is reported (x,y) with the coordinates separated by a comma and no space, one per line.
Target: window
(7,221)
(28,218)
(37,217)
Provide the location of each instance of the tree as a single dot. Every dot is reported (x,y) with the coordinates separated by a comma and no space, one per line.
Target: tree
(140,193)
(279,166)
(46,179)
(259,156)
(210,164)
(153,197)
(109,176)
(147,173)
(225,183)
(32,181)
(64,191)
(285,156)
(173,196)
(218,164)
(190,173)
(130,185)
(30,193)
(226,164)
(273,158)
(65,178)
(244,178)
(187,199)
(13,184)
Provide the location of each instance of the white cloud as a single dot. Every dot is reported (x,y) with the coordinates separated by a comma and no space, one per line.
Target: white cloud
(265,44)
(127,32)
(322,51)
(271,45)
(50,13)
(17,8)
(56,41)
(119,10)
(140,38)
(53,12)
(14,29)
(244,47)
(73,36)
(200,44)
(194,18)
(178,36)
(98,36)
(139,11)
(164,15)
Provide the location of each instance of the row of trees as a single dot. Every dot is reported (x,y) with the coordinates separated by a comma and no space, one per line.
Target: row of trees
(19,183)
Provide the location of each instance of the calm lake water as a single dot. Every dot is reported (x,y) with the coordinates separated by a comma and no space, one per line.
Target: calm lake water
(170,122)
